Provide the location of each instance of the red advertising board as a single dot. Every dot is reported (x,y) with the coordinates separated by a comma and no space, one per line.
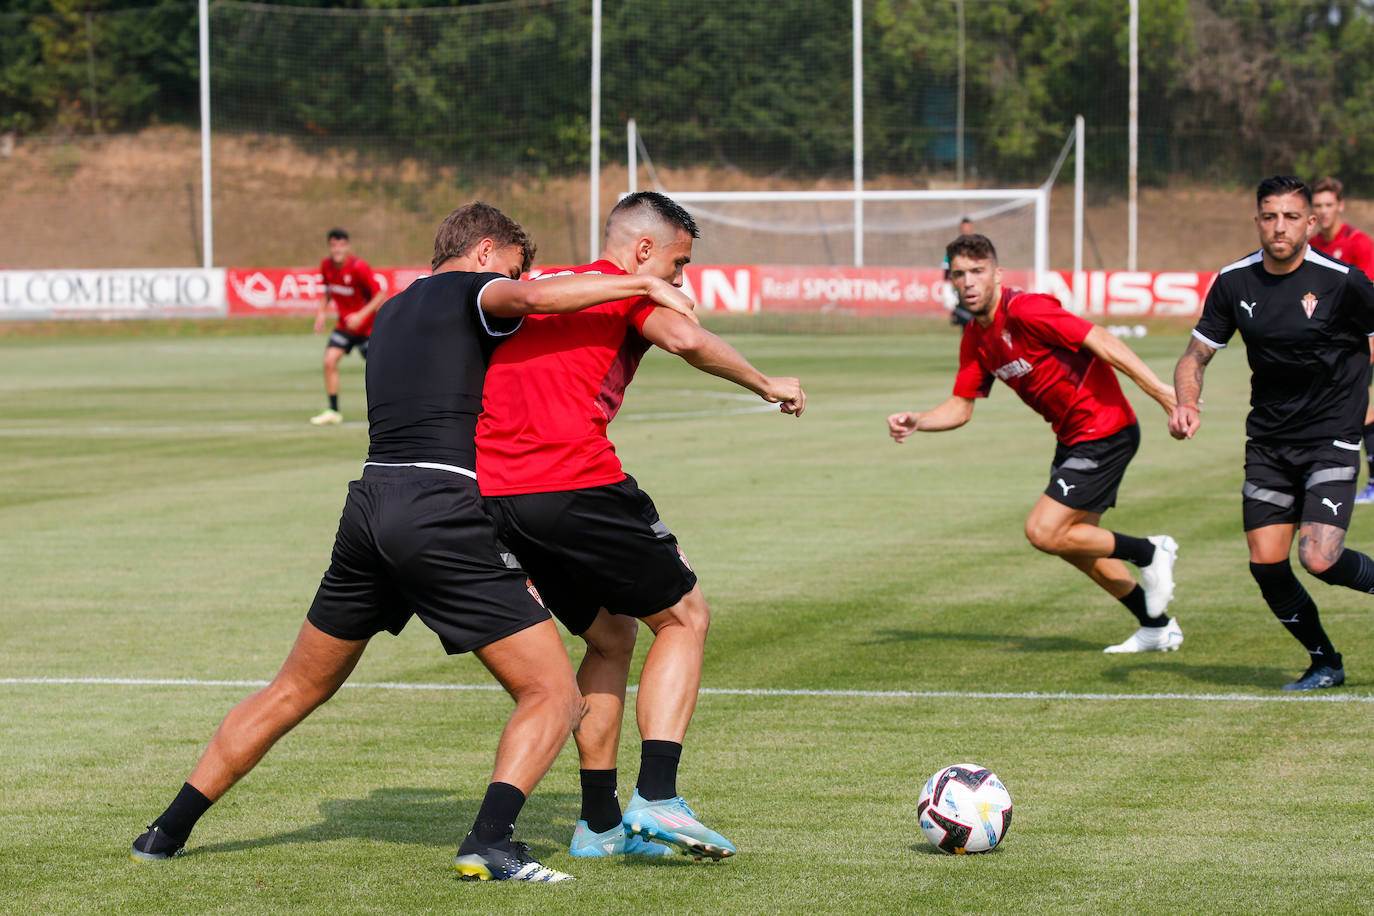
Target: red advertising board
(741,288)
(295,291)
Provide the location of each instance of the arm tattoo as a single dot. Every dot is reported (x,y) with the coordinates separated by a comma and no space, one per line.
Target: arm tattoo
(1189,371)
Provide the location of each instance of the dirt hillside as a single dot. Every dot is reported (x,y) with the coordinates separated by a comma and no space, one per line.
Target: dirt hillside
(134,200)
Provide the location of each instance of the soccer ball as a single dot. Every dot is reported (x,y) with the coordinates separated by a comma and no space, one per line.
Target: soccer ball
(964,808)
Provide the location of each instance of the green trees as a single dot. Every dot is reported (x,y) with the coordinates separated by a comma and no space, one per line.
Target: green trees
(1228,88)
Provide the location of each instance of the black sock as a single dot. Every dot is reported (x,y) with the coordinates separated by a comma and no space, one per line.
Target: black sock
(496,818)
(1135,550)
(333,402)
(658,769)
(600,804)
(1351,569)
(1135,603)
(181,815)
(1293,607)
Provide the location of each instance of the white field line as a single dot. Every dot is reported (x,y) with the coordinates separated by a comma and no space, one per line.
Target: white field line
(746,692)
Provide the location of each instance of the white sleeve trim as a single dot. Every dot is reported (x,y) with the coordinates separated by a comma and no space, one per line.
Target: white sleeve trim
(1212,343)
(482,315)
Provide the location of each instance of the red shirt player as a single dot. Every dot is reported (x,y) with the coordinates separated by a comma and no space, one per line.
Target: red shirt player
(592,541)
(1334,236)
(352,287)
(1061,366)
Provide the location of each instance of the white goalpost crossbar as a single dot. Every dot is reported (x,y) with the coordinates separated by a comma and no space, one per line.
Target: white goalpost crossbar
(1038,197)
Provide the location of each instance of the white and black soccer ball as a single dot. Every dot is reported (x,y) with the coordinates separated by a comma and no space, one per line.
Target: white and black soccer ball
(964,808)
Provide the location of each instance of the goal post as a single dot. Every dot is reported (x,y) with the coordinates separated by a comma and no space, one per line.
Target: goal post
(903,227)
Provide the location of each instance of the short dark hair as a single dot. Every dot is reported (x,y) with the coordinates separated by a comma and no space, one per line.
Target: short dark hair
(664,207)
(336,233)
(1282,184)
(469,224)
(975,246)
(1329,184)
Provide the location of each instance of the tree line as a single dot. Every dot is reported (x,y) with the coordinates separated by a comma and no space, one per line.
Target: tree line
(1228,88)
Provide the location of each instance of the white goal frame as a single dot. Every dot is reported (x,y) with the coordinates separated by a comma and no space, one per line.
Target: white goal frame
(1038,197)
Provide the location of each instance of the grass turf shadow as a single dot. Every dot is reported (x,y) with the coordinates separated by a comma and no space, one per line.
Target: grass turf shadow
(430,817)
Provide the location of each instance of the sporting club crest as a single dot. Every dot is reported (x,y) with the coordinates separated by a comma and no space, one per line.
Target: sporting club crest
(1309,304)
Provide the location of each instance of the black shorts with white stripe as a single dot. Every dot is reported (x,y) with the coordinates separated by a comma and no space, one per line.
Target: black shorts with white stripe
(1288,483)
(339,339)
(1086,475)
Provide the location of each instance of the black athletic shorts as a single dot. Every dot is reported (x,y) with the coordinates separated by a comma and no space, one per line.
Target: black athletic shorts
(593,548)
(1086,475)
(343,340)
(416,541)
(1289,483)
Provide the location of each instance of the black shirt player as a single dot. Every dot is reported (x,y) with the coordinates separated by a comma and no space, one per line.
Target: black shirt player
(413,540)
(1305,319)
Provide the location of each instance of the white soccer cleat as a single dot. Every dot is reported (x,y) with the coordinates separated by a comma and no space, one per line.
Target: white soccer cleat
(1158,578)
(327,418)
(1151,639)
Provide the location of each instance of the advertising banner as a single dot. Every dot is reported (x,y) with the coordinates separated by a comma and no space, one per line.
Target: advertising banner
(152,293)
(296,291)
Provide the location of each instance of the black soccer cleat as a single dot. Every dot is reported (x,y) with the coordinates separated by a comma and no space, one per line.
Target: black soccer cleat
(155,845)
(505,861)
(1318,677)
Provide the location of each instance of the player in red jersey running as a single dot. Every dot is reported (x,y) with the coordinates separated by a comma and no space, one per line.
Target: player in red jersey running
(1061,366)
(592,541)
(1336,237)
(352,287)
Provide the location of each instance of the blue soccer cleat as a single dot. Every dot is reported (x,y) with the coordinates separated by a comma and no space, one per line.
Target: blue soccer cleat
(504,861)
(1366,496)
(671,821)
(613,842)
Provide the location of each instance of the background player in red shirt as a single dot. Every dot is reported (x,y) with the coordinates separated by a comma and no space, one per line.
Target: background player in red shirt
(351,285)
(1336,237)
(1061,366)
(592,541)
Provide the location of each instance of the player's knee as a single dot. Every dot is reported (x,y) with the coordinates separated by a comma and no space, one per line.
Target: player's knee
(613,638)
(691,615)
(1042,537)
(1314,560)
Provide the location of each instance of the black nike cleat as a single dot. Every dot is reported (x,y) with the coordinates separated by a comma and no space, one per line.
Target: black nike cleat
(504,861)
(1319,677)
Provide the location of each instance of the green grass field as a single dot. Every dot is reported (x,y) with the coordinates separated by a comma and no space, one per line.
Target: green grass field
(166,513)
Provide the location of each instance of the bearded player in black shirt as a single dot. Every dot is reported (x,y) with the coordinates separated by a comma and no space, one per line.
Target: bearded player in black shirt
(1306,320)
(413,540)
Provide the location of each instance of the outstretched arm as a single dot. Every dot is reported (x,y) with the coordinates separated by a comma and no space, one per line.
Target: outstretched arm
(1106,347)
(573,292)
(707,352)
(952,414)
(1185,419)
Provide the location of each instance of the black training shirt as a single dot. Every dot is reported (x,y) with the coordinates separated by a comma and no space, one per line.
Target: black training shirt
(1306,336)
(426,364)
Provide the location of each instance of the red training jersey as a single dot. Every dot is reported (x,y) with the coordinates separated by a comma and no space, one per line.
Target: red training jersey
(1035,347)
(1350,245)
(351,286)
(551,390)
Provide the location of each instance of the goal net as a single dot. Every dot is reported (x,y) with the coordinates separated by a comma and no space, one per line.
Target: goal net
(876,228)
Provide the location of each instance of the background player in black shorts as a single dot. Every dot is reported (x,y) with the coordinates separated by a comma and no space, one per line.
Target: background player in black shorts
(1062,366)
(1305,320)
(414,540)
